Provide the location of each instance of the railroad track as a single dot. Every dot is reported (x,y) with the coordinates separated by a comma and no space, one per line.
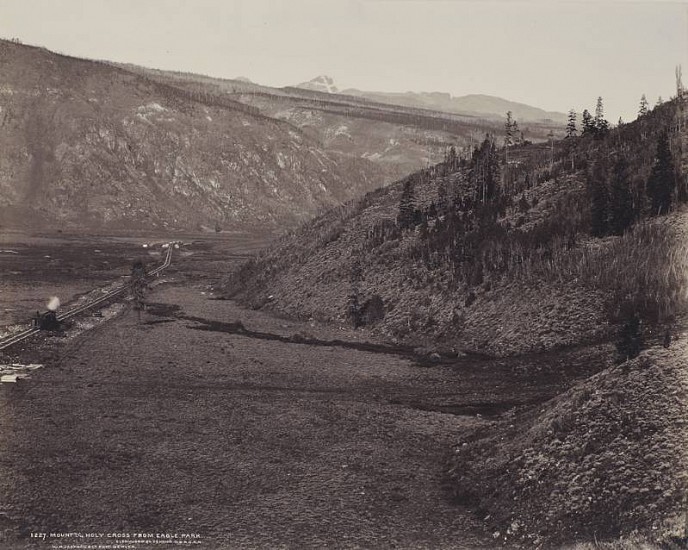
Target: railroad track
(23,335)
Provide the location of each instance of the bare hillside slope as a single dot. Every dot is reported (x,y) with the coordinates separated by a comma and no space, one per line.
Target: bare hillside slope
(87,144)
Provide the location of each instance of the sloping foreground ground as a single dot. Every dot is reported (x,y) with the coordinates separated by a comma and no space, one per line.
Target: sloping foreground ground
(605,459)
(260,432)
(251,442)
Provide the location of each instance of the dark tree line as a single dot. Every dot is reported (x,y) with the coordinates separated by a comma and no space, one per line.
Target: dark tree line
(612,205)
(596,126)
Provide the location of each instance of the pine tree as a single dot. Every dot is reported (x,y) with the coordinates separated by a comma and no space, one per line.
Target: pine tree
(642,111)
(659,101)
(407,205)
(571,130)
(660,185)
(486,174)
(508,135)
(588,124)
(601,124)
(620,199)
(509,129)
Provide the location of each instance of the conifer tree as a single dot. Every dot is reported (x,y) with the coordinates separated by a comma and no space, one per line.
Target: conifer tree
(588,124)
(660,185)
(571,130)
(485,174)
(620,199)
(508,135)
(601,124)
(642,111)
(508,129)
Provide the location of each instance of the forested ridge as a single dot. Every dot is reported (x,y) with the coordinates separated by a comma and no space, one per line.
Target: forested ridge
(435,251)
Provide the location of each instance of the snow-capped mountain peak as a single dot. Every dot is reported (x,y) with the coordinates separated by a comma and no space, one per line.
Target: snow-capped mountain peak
(322,83)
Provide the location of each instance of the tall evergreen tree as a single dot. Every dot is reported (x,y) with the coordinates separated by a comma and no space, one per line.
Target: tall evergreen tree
(485,173)
(601,124)
(621,213)
(509,129)
(588,124)
(660,185)
(642,111)
(571,130)
(508,134)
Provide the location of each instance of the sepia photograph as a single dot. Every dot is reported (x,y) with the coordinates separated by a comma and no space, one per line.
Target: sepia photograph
(343,274)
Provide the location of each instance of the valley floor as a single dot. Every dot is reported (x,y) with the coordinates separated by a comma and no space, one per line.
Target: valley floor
(186,422)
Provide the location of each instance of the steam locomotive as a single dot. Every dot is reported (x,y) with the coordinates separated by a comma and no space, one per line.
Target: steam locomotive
(46,321)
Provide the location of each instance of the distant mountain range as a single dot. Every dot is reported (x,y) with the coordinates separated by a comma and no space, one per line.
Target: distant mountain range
(474,104)
(95,144)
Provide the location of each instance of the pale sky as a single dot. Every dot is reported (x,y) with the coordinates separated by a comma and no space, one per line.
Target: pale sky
(551,54)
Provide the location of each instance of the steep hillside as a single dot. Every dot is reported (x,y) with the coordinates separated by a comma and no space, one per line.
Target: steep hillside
(491,257)
(397,138)
(88,144)
(604,460)
(583,246)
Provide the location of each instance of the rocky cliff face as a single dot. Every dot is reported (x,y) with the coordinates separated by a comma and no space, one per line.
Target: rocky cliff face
(88,144)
